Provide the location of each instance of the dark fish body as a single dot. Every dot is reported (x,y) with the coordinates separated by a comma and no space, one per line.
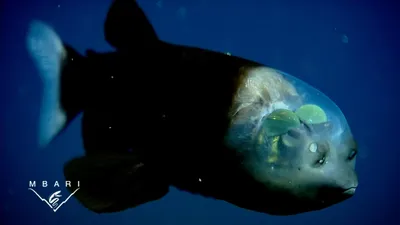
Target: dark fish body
(157,115)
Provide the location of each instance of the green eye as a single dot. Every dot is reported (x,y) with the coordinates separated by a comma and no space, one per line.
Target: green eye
(311,114)
(280,121)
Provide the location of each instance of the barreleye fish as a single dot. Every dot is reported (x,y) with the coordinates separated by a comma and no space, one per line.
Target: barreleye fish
(158,115)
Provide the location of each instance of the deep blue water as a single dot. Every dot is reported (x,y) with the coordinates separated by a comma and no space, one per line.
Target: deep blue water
(347,49)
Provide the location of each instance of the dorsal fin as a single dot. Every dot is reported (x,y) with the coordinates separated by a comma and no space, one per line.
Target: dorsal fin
(127,27)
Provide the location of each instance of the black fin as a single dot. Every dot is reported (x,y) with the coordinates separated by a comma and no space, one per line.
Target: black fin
(59,68)
(127,26)
(115,183)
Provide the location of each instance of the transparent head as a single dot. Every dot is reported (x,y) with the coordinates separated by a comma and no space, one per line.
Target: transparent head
(293,139)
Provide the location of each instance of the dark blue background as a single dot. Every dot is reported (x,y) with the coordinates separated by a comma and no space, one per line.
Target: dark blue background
(303,38)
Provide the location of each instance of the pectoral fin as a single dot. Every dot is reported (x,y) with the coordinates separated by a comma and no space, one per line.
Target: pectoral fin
(115,183)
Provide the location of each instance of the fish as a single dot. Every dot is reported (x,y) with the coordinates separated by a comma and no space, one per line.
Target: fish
(157,115)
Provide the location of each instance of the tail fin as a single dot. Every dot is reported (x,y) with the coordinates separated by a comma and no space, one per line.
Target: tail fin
(50,57)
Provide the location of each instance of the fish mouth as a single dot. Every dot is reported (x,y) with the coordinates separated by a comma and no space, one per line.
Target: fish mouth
(350,191)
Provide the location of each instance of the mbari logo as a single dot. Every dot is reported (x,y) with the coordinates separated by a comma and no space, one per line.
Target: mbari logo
(53,201)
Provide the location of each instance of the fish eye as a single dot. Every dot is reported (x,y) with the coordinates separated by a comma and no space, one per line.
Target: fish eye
(280,121)
(352,154)
(311,114)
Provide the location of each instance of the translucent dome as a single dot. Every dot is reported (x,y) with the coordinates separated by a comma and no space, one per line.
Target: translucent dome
(270,104)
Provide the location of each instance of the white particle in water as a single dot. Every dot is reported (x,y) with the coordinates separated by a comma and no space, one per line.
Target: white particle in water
(182,12)
(159,4)
(345,39)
